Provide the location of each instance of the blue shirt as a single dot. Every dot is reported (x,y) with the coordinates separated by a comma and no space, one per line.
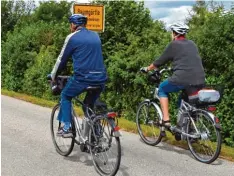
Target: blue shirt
(85,48)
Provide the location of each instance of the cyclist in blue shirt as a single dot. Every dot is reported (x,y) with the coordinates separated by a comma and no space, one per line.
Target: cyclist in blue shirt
(85,48)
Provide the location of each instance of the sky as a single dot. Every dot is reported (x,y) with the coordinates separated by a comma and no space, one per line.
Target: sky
(173,11)
(170,11)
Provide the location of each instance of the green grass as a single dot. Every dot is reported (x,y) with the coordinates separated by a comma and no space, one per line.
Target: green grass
(126,125)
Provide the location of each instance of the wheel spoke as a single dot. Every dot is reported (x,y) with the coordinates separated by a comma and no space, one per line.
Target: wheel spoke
(147,119)
(106,155)
(64,146)
(207,148)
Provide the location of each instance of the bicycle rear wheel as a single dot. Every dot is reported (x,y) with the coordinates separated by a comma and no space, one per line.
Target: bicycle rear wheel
(205,149)
(106,149)
(63,146)
(148,123)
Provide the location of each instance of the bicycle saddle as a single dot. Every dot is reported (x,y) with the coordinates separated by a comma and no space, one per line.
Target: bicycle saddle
(93,88)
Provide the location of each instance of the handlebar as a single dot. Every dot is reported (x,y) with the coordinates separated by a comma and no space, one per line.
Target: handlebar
(156,75)
(157,70)
(165,69)
(58,84)
(59,77)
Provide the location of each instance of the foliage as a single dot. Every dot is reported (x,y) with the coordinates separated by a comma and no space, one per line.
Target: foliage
(19,51)
(32,41)
(215,39)
(12,12)
(52,12)
(35,82)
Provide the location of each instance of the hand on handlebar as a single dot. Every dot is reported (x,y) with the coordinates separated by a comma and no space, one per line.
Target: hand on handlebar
(49,77)
(50,80)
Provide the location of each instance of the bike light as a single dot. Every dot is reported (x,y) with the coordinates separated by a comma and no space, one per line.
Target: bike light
(116,128)
(211,108)
(216,120)
(111,114)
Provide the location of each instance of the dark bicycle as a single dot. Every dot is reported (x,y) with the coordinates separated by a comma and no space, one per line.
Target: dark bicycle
(97,134)
(195,121)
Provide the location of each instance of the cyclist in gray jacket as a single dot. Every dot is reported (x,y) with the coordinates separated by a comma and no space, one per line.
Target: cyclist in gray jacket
(186,65)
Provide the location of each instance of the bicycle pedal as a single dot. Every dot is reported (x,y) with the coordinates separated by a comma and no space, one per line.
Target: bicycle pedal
(163,134)
(83,147)
(178,136)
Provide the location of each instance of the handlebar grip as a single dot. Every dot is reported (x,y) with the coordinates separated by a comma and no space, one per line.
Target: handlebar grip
(49,77)
(143,70)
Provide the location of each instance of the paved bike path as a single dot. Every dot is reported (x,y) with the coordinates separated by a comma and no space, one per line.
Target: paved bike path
(27,150)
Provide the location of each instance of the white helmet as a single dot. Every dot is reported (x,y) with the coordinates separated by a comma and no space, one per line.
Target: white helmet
(180,28)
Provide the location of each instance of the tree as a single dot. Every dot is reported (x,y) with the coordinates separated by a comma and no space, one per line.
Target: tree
(131,40)
(11,12)
(214,37)
(52,11)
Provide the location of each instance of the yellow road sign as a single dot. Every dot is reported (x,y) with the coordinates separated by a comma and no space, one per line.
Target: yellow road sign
(95,14)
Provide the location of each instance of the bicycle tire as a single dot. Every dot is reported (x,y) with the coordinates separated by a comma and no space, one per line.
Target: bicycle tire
(155,122)
(202,126)
(94,152)
(54,126)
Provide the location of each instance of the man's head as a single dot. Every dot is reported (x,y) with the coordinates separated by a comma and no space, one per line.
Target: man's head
(77,20)
(179,29)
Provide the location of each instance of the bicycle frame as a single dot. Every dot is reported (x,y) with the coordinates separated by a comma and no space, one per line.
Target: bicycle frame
(195,123)
(82,139)
(78,130)
(185,108)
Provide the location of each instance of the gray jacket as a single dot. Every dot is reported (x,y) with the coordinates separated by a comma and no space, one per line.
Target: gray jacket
(186,63)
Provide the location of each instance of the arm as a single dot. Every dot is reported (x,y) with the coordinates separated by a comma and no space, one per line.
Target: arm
(165,57)
(63,57)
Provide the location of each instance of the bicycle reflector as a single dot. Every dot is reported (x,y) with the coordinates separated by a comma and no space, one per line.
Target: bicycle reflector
(111,114)
(211,108)
(216,120)
(117,128)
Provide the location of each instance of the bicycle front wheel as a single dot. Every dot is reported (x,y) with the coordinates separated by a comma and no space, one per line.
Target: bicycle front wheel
(63,146)
(106,149)
(205,149)
(148,122)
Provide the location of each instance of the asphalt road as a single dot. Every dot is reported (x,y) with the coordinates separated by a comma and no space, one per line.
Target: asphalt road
(27,150)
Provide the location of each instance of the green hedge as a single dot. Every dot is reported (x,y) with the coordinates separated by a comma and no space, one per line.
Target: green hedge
(132,39)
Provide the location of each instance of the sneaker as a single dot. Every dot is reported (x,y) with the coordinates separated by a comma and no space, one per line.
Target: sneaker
(63,133)
(166,124)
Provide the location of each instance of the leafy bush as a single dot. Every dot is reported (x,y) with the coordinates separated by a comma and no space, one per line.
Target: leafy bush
(35,82)
(131,40)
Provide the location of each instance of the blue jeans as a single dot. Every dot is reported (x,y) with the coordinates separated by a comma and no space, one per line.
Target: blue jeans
(166,87)
(72,89)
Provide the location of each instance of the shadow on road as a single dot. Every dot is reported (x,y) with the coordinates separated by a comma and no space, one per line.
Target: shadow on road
(122,171)
(78,156)
(85,158)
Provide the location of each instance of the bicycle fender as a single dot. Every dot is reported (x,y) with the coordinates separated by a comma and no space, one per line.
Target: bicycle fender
(116,132)
(147,100)
(217,125)
(156,107)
